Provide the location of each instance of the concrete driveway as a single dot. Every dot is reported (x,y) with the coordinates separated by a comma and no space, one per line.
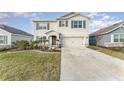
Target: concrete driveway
(87,64)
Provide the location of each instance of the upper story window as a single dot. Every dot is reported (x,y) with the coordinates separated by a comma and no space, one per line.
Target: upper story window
(3,40)
(63,23)
(40,26)
(76,24)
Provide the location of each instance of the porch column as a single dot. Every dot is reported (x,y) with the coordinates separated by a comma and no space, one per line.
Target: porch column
(50,41)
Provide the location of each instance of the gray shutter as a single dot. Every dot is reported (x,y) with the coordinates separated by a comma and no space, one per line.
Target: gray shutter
(48,26)
(84,24)
(59,23)
(37,26)
(72,22)
(66,23)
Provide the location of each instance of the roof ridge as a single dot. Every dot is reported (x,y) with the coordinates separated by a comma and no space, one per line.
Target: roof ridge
(74,13)
(110,27)
(68,14)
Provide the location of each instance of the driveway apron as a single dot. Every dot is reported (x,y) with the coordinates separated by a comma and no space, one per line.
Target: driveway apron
(85,64)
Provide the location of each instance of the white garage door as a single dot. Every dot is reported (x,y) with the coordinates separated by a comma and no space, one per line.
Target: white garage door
(73,42)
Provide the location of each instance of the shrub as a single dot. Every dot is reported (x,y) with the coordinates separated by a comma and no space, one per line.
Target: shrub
(45,46)
(6,49)
(39,45)
(54,50)
(23,44)
(34,44)
(3,49)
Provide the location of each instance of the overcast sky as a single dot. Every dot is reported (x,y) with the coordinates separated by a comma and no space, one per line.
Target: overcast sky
(23,20)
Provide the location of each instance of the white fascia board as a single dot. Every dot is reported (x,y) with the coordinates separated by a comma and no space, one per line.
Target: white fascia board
(112,30)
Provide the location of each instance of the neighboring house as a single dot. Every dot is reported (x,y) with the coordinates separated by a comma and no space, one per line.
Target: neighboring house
(111,36)
(9,34)
(70,30)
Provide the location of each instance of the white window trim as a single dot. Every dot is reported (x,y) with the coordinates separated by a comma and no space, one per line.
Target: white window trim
(77,23)
(42,26)
(63,23)
(6,42)
(112,38)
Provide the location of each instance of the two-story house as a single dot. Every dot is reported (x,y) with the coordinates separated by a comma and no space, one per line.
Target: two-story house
(70,30)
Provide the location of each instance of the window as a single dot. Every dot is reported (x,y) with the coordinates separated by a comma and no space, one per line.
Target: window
(44,27)
(76,24)
(119,38)
(61,23)
(80,24)
(40,26)
(41,39)
(116,38)
(38,38)
(3,39)
(44,39)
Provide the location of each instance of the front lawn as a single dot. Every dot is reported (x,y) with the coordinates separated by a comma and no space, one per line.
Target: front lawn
(109,51)
(30,65)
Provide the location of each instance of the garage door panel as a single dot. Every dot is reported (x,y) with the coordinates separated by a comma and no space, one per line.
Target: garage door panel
(72,42)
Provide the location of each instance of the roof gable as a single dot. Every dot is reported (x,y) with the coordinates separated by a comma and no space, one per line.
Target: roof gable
(70,15)
(64,17)
(107,29)
(14,30)
(52,31)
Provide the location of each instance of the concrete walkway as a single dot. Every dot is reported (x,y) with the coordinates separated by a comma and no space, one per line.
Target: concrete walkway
(86,64)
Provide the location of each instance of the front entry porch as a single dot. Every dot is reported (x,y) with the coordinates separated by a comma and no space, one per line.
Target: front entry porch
(53,42)
(53,38)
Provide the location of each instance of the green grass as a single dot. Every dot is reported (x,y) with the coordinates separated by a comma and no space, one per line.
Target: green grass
(111,52)
(30,65)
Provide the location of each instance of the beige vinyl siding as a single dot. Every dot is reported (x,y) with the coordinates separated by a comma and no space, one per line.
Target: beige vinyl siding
(66,30)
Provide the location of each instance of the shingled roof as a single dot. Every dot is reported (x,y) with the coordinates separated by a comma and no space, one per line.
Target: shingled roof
(107,29)
(14,30)
(71,14)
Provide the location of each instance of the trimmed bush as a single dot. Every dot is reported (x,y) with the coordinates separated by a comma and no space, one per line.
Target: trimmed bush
(23,44)
(2,49)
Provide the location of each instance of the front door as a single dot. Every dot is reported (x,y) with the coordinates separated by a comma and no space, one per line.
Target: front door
(53,40)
